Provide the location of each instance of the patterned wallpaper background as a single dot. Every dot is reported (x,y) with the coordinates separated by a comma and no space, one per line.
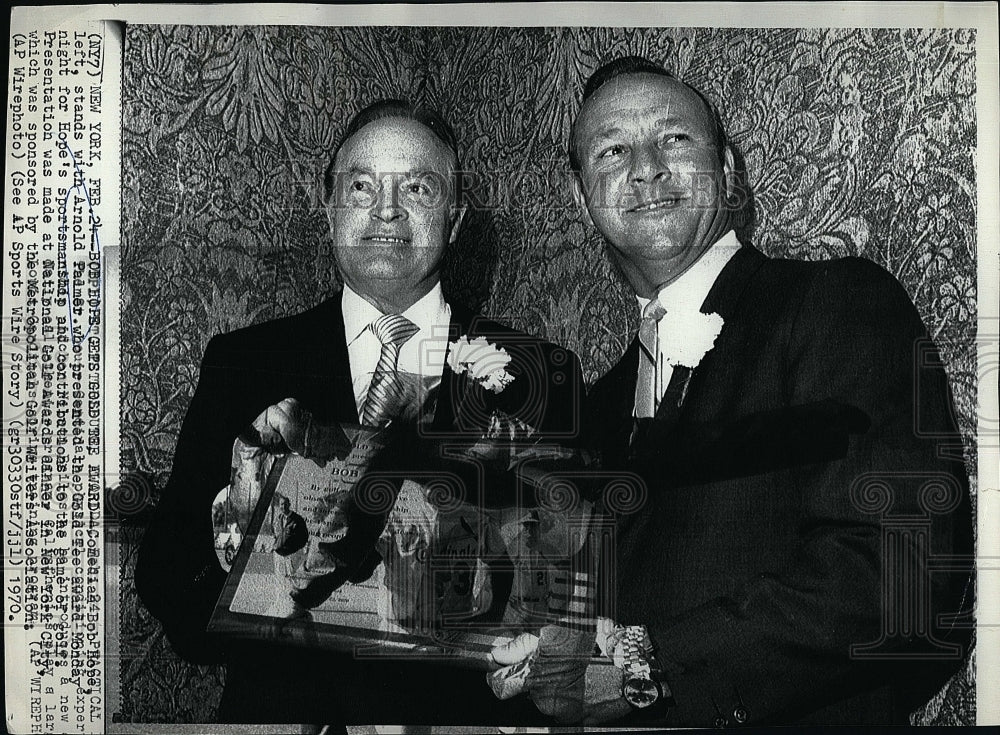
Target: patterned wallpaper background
(856,142)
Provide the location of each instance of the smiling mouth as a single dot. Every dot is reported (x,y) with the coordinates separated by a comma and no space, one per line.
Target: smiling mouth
(386,240)
(666,202)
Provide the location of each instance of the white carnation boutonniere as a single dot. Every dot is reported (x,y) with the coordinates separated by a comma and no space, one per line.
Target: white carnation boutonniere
(688,337)
(483,362)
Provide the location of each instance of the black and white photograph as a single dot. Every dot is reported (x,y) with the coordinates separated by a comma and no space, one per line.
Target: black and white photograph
(597,370)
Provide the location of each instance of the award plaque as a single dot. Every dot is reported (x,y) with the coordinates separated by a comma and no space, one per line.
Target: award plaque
(447,576)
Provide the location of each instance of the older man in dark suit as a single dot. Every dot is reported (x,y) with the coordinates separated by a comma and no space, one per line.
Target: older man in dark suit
(785,417)
(393,209)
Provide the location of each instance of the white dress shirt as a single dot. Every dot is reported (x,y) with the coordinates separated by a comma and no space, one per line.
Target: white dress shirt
(688,293)
(423,354)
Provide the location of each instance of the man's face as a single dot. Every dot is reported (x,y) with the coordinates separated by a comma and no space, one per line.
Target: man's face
(651,175)
(284,505)
(393,211)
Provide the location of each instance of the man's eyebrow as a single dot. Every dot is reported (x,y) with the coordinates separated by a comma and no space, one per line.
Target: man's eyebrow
(413,173)
(669,121)
(431,174)
(416,173)
(602,135)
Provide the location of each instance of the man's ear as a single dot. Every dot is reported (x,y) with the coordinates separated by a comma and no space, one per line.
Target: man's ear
(458,214)
(330,219)
(579,197)
(729,172)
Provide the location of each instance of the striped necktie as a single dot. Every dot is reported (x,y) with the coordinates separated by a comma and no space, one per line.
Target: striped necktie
(646,396)
(392,330)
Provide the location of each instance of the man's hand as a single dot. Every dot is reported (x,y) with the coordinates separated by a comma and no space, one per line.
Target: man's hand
(560,676)
(283,426)
(603,695)
(286,426)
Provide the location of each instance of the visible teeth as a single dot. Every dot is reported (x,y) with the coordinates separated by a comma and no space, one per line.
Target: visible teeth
(656,205)
(393,240)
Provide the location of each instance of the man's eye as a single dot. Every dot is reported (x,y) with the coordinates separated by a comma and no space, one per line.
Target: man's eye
(676,138)
(415,187)
(361,186)
(611,151)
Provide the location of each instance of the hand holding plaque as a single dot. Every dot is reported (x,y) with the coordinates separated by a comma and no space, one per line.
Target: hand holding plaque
(287,426)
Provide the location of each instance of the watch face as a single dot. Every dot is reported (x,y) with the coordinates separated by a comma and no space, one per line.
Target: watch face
(641,693)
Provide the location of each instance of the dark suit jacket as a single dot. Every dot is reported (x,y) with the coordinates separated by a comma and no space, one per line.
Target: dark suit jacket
(763,551)
(177,574)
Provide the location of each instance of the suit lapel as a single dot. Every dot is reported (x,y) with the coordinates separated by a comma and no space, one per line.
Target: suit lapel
(725,293)
(672,401)
(723,299)
(448,391)
(621,381)
(612,401)
(335,370)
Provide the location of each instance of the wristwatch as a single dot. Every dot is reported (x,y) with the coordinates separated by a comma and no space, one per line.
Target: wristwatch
(641,687)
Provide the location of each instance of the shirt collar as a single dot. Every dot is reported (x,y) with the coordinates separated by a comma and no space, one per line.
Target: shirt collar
(428,311)
(691,288)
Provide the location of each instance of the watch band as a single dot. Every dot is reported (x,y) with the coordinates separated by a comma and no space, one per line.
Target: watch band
(643,686)
(636,648)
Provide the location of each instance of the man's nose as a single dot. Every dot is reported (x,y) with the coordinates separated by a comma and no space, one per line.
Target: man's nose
(387,208)
(647,165)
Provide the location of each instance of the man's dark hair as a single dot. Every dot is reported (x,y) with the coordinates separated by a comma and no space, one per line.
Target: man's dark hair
(638,65)
(385,109)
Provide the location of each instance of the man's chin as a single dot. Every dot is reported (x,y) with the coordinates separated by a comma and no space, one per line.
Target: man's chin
(648,264)
(654,250)
(388,267)
(390,272)
(392,288)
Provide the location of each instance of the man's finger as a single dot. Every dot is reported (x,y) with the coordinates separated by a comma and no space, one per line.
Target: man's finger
(291,421)
(516,650)
(509,681)
(268,435)
(290,406)
(282,424)
(557,678)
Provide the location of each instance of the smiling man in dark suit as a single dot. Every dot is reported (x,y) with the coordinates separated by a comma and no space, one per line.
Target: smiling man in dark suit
(394,207)
(787,432)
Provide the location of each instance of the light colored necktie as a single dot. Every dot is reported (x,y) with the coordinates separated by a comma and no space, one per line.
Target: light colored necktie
(392,330)
(645,386)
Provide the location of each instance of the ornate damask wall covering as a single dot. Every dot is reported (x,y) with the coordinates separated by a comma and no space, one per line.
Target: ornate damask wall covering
(856,142)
